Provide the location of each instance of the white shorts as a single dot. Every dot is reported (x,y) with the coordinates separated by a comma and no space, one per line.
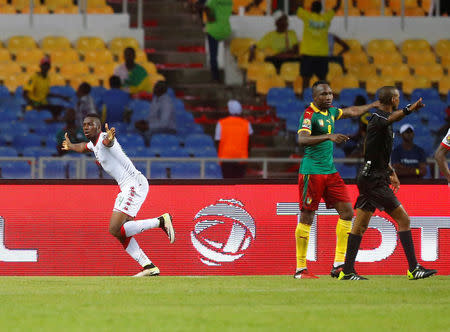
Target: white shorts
(132,196)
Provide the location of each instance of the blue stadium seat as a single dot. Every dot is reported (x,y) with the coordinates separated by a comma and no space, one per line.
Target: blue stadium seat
(338,153)
(7,151)
(280,96)
(198,140)
(164,141)
(116,102)
(65,90)
(346,171)
(161,170)
(131,141)
(138,105)
(24,140)
(93,171)
(142,152)
(39,151)
(183,117)
(307,95)
(121,128)
(427,95)
(59,169)
(7,116)
(34,115)
(174,151)
(188,170)
(16,170)
(213,171)
(350,94)
(4,92)
(6,138)
(202,152)
(185,129)
(292,122)
(179,105)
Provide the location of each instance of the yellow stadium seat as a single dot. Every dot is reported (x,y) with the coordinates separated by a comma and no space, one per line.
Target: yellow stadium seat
(21,4)
(442,47)
(13,81)
(55,43)
(412,45)
(88,43)
(29,56)
(57,79)
(100,10)
(5,56)
(243,62)
(18,43)
(264,84)
(434,72)
(60,58)
(426,5)
(343,82)
(96,3)
(289,71)
(398,72)
(414,11)
(298,85)
(445,60)
(93,58)
(239,46)
(377,82)
(444,85)
(54,4)
(256,70)
(380,45)
(240,3)
(67,10)
(351,58)
(352,11)
(419,82)
(3,2)
(71,70)
(150,67)
(118,44)
(387,58)
(8,68)
(368,4)
(355,45)
(33,68)
(420,58)
(364,72)
(36,10)
(377,12)
(77,80)
(395,5)
(7,9)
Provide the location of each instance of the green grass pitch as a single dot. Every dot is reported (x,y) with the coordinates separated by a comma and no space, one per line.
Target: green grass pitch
(256,303)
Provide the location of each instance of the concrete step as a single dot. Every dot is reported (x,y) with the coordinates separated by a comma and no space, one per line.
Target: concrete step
(172,45)
(186,76)
(177,57)
(172,19)
(170,32)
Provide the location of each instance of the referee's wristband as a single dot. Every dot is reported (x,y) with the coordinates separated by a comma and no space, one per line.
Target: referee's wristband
(406,109)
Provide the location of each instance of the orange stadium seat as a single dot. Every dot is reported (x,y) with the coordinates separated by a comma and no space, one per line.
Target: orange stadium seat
(289,71)
(100,10)
(5,55)
(434,72)
(377,82)
(368,4)
(67,10)
(60,58)
(414,11)
(36,10)
(8,68)
(7,9)
(239,46)
(380,45)
(412,45)
(3,2)
(264,84)
(104,71)
(387,58)
(95,57)
(352,11)
(34,67)
(364,72)
(13,81)
(17,43)
(395,5)
(242,59)
(55,43)
(426,5)
(118,44)
(96,3)
(22,4)
(355,59)
(89,43)
(52,5)
(420,58)
(445,61)
(257,70)
(71,70)
(419,82)
(444,85)
(77,80)
(398,72)
(377,12)
(442,47)
(355,45)
(334,70)
(26,57)
(57,79)
(240,3)
(343,82)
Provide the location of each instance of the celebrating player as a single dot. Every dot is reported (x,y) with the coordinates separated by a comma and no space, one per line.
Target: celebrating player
(440,156)
(373,184)
(133,186)
(318,177)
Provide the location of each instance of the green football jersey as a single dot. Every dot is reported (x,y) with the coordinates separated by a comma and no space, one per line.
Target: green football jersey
(318,158)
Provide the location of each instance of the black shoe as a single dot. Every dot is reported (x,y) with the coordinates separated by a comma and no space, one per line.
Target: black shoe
(335,271)
(420,273)
(350,276)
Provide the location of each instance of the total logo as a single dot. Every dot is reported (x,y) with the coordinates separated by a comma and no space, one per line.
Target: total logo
(223,232)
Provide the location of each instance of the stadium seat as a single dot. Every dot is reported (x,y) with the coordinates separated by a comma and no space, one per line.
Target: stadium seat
(363,73)
(398,72)
(175,151)
(198,140)
(96,3)
(7,151)
(55,43)
(345,81)
(186,170)
(375,83)
(203,152)
(240,46)
(94,171)
(59,169)
(164,141)
(101,10)
(434,72)
(444,86)
(23,140)
(18,43)
(13,81)
(118,44)
(104,71)
(16,170)
(20,5)
(354,44)
(39,151)
(5,55)
(36,10)
(414,12)
(8,10)
(34,116)
(25,57)
(377,12)
(88,78)
(277,96)
(9,68)
(420,58)
(92,58)
(161,170)
(264,84)
(73,10)
(346,171)
(57,79)
(419,82)
(63,57)
(213,171)
(132,141)
(427,94)
(53,5)
(73,70)
(351,94)
(355,58)
(257,70)
(442,47)
(290,71)
(380,45)
(89,43)
(387,58)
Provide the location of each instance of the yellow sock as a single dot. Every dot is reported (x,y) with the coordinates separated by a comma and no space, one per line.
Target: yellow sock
(301,241)
(343,228)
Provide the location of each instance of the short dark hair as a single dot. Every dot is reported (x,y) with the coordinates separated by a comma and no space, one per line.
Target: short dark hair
(316,7)
(385,94)
(93,115)
(115,82)
(85,87)
(319,82)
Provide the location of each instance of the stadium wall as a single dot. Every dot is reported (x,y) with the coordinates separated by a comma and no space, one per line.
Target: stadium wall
(71,26)
(61,228)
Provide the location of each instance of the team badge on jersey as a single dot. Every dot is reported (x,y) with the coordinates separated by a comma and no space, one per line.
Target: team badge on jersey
(448,139)
(306,124)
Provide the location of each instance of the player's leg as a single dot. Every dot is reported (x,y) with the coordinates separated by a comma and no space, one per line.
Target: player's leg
(415,271)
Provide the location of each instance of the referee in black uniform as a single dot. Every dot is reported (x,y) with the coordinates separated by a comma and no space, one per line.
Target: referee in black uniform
(373,183)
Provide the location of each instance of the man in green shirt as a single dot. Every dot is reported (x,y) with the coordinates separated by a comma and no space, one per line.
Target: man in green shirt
(217,28)
(318,177)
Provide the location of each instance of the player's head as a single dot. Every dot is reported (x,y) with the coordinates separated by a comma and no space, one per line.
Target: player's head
(129,54)
(92,126)
(389,96)
(316,7)
(322,95)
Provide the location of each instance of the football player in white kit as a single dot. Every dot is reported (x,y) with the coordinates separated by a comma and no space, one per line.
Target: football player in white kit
(440,156)
(134,188)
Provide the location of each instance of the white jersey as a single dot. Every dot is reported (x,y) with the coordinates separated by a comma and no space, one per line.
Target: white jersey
(446,141)
(114,161)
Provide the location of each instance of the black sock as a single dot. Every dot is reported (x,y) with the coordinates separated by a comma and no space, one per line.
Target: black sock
(408,247)
(161,222)
(353,244)
(150,266)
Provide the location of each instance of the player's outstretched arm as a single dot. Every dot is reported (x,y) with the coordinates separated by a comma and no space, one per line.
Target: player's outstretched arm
(400,114)
(108,141)
(355,111)
(68,145)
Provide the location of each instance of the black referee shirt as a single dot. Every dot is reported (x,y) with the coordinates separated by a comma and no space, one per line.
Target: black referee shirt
(379,140)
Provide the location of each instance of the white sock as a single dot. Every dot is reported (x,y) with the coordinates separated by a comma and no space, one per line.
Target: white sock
(136,252)
(134,227)
(336,264)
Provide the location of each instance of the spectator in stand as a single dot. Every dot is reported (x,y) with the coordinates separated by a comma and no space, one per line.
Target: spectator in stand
(37,90)
(408,159)
(85,103)
(73,129)
(282,42)
(314,48)
(115,102)
(333,39)
(217,28)
(161,119)
(134,77)
(233,140)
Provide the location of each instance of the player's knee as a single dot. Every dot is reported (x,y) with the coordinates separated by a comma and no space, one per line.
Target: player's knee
(347,214)
(114,231)
(359,229)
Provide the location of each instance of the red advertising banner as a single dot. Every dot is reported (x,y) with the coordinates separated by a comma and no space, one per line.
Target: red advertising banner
(243,229)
